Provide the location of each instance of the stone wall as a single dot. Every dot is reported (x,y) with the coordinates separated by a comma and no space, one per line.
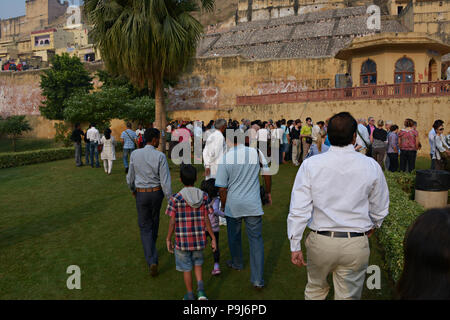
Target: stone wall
(20,93)
(423,110)
(433,17)
(214,83)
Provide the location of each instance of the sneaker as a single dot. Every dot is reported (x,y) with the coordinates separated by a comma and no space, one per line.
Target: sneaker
(258,287)
(230,265)
(201,295)
(186,297)
(216,272)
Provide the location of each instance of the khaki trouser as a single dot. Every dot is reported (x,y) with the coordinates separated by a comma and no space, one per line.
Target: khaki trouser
(306,147)
(346,258)
(295,151)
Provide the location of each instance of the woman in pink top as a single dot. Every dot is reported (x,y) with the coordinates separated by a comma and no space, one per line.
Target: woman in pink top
(408,139)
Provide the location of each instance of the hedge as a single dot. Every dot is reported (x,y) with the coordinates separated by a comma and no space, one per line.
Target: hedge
(16,159)
(402,213)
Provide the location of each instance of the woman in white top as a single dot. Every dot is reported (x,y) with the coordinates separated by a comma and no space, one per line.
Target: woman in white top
(108,154)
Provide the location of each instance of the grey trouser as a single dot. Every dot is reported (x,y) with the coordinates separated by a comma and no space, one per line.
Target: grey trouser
(77,154)
(148,205)
(296,151)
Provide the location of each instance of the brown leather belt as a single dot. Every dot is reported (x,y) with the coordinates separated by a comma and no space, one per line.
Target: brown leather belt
(148,189)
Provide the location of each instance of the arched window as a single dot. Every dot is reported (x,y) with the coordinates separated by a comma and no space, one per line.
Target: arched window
(404,70)
(369,72)
(433,71)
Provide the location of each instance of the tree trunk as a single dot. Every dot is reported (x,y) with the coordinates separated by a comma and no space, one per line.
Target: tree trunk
(160,111)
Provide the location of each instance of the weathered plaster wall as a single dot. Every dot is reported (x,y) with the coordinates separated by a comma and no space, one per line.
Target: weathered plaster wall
(433,17)
(423,110)
(20,93)
(254,10)
(215,82)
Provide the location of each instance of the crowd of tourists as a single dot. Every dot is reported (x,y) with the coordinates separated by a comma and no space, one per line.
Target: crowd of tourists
(105,145)
(393,146)
(332,152)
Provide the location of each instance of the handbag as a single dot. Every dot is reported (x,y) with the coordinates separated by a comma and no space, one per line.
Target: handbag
(100,148)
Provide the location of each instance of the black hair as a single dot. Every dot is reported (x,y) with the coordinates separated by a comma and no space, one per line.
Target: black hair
(437,124)
(129,125)
(209,186)
(77,125)
(283,121)
(188,174)
(308,119)
(320,123)
(150,134)
(393,127)
(107,133)
(426,246)
(341,129)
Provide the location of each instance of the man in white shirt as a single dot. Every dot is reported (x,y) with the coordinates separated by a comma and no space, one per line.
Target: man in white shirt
(94,139)
(431,136)
(214,149)
(342,196)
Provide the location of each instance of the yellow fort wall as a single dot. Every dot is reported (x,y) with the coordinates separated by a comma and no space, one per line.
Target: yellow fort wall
(214,82)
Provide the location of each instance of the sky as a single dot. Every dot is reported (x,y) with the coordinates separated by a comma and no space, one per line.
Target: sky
(15,8)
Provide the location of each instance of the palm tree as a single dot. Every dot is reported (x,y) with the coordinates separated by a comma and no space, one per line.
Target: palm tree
(149,41)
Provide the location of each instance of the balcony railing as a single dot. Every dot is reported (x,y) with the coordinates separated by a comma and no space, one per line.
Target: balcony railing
(387,91)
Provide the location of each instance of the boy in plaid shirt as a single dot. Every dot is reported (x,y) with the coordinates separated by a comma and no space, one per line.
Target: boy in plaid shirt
(189,211)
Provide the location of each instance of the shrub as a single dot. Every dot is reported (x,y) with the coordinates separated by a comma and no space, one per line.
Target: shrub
(402,213)
(16,159)
(13,127)
(63,133)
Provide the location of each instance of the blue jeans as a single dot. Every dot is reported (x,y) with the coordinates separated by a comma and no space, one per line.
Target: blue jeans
(87,152)
(253,226)
(126,154)
(94,150)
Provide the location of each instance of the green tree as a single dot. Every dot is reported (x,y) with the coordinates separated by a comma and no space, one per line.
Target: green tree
(99,107)
(66,76)
(149,41)
(13,127)
(141,109)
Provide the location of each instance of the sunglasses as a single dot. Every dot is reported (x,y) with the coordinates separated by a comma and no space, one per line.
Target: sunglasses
(441,129)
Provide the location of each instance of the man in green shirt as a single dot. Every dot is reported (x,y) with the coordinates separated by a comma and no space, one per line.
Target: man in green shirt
(304,134)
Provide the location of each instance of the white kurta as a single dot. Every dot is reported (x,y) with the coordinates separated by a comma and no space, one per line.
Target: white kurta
(213,152)
(109,149)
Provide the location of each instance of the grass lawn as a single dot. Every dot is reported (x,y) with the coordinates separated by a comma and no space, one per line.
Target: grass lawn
(54,215)
(27,144)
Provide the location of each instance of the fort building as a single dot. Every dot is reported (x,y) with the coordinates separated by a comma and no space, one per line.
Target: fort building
(284,59)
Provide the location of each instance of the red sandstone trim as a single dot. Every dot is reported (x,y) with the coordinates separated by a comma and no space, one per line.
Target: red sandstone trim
(387,91)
